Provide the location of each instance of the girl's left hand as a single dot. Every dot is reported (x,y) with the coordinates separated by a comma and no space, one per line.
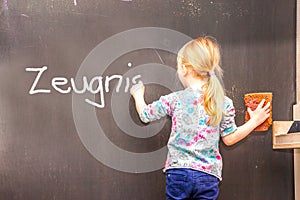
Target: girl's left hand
(261,113)
(137,90)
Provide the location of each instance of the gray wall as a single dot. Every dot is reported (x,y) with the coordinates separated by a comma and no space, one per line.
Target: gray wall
(41,154)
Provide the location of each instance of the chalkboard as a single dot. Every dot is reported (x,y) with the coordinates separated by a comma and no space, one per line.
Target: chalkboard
(58,142)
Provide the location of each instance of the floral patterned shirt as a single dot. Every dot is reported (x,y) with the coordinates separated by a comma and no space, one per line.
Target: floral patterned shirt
(192,144)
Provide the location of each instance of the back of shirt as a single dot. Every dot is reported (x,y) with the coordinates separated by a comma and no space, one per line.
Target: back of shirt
(193,143)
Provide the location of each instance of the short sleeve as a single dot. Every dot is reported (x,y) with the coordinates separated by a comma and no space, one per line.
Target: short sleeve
(228,125)
(158,109)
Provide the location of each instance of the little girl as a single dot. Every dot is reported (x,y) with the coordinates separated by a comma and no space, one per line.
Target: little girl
(200,113)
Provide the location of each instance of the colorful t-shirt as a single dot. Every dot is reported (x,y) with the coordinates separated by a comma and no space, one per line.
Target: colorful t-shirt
(192,144)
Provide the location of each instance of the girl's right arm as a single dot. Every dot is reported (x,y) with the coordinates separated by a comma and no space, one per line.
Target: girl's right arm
(257,117)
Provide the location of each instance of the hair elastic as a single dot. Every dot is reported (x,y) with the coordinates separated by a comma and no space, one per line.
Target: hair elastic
(211,73)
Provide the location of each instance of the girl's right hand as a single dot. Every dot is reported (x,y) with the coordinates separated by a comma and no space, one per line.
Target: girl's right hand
(261,113)
(257,116)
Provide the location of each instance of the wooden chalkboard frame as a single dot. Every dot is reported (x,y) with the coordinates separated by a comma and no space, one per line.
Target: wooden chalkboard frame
(297,106)
(281,140)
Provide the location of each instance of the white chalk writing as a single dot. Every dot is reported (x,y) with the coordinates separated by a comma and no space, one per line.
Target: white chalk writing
(97,84)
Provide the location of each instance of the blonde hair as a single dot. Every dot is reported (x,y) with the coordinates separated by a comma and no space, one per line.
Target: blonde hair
(203,56)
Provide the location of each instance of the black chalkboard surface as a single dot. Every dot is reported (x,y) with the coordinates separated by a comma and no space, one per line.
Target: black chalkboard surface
(68,127)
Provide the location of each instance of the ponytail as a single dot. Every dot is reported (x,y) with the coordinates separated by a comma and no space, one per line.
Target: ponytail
(214,98)
(203,56)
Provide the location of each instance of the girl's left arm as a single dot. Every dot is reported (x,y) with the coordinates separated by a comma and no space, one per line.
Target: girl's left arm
(257,117)
(137,92)
(153,111)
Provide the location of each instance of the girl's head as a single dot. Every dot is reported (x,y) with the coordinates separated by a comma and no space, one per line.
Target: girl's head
(200,59)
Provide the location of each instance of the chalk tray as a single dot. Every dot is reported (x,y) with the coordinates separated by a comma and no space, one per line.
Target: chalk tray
(283,138)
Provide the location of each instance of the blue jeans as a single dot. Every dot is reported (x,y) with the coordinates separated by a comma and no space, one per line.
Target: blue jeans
(191,184)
